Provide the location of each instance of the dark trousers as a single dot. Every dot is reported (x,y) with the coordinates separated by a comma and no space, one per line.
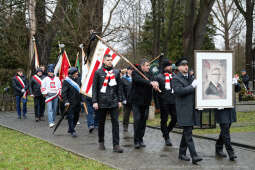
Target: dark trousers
(165,110)
(126,110)
(224,138)
(140,115)
(187,142)
(114,112)
(73,117)
(39,106)
(24,101)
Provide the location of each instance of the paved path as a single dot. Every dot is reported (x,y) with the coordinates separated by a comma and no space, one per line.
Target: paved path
(154,157)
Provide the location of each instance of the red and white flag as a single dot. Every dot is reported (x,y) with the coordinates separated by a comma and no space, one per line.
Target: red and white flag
(97,61)
(65,65)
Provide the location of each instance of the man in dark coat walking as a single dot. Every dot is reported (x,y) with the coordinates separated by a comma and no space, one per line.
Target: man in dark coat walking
(184,88)
(107,97)
(72,98)
(225,117)
(141,95)
(35,90)
(166,101)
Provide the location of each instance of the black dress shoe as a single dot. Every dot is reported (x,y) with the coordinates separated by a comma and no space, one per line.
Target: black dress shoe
(168,142)
(117,149)
(101,146)
(220,153)
(74,135)
(184,158)
(91,129)
(142,145)
(196,159)
(137,146)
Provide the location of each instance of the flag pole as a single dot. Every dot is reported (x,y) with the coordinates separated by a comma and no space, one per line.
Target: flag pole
(124,58)
(156,58)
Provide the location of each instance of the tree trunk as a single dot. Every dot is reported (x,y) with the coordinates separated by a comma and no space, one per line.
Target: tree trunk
(169,27)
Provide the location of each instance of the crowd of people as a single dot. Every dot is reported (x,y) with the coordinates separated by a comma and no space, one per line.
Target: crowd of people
(112,89)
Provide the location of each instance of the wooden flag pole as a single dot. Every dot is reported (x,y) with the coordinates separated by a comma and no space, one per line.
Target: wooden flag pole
(124,58)
(155,58)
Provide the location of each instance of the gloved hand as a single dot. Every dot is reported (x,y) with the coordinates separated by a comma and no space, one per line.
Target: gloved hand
(23,90)
(194,83)
(67,104)
(124,102)
(234,80)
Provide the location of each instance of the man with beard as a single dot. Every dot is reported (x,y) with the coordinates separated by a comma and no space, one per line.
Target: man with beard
(166,101)
(72,98)
(35,89)
(107,98)
(184,88)
(141,95)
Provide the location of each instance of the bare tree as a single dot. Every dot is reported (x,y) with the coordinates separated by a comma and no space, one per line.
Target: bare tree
(230,22)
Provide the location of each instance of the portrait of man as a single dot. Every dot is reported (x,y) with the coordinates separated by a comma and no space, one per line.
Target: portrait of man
(214,79)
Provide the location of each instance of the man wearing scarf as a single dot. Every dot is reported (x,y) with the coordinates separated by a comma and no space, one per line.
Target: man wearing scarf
(20,85)
(51,89)
(107,98)
(35,90)
(166,101)
(72,98)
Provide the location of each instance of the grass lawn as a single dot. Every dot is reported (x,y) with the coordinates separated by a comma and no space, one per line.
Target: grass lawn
(245,123)
(19,151)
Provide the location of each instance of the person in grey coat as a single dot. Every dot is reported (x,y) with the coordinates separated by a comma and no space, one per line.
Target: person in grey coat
(225,117)
(184,87)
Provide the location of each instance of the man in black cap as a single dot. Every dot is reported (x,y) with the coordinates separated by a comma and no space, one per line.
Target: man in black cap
(166,100)
(107,98)
(184,88)
(72,98)
(141,95)
(35,90)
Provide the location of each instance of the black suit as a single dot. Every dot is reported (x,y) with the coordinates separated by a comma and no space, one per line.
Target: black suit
(167,106)
(74,98)
(141,99)
(186,114)
(107,102)
(39,100)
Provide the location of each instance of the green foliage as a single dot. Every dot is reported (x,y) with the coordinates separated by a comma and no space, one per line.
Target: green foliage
(19,151)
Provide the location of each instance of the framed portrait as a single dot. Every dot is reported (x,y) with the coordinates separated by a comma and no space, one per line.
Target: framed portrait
(214,73)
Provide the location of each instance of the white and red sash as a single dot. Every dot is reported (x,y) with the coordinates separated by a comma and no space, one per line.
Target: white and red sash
(109,75)
(53,97)
(22,85)
(38,79)
(168,78)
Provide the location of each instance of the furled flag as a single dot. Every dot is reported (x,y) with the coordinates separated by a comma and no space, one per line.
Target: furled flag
(58,65)
(97,60)
(35,59)
(65,64)
(85,70)
(77,62)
